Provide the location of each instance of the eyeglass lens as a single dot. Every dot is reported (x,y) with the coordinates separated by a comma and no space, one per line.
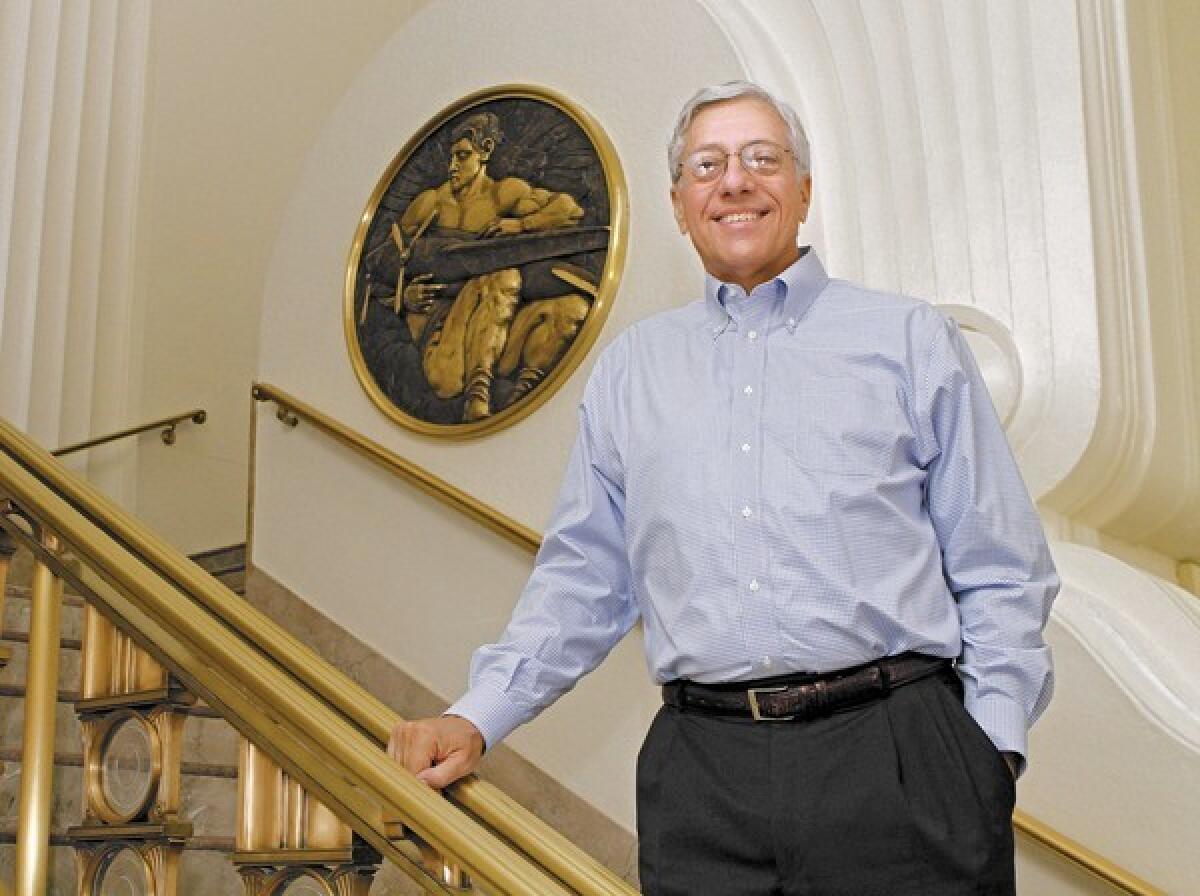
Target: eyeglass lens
(763,158)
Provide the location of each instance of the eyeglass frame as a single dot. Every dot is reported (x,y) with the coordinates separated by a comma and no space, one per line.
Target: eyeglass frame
(725,156)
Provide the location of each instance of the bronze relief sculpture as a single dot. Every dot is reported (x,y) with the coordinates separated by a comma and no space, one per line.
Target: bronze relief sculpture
(485,262)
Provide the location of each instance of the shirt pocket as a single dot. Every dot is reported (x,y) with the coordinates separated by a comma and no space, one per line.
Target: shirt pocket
(846,426)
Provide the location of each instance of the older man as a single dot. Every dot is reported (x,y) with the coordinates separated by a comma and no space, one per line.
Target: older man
(801,487)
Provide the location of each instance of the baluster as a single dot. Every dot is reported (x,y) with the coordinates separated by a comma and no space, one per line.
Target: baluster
(37,757)
(283,834)
(132,716)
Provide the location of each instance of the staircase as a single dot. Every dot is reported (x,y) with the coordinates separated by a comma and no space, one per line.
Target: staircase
(210,754)
(210,748)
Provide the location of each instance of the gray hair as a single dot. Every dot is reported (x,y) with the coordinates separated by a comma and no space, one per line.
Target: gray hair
(733,90)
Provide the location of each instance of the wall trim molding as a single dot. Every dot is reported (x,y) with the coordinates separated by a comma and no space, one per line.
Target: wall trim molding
(1148,647)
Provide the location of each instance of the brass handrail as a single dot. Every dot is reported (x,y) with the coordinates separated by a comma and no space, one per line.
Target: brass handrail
(1090,861)
(357,706)
(167,424)
(292,408)
(314,743)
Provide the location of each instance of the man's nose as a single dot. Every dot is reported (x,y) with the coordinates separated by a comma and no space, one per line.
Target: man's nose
(735,178)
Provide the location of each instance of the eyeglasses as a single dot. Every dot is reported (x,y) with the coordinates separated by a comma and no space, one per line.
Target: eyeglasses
(761,158)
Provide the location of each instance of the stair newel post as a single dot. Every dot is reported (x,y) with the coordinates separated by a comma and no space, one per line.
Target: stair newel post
(37,758)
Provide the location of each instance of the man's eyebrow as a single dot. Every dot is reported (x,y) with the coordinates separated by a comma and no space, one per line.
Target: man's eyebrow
(717,146)
(720,147)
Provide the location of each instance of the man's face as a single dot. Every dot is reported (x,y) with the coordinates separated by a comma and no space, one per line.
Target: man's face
(742,225)
(465,163)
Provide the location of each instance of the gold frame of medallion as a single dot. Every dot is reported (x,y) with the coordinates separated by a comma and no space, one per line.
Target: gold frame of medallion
(93,766)
(159,860)
(618,203)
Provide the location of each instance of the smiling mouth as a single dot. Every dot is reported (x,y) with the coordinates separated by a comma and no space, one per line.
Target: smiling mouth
(740,217)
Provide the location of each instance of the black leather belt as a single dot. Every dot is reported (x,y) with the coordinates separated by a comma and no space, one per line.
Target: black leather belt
(800,697)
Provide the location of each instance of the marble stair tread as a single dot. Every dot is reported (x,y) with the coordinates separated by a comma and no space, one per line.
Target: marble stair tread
(221,559)
(13,674)
(12,721)
(203,869)
(209,803)
(227,564)
(16,612)
(12,754)
(206,742)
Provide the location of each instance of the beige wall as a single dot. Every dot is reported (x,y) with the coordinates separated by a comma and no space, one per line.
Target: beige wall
(236,93)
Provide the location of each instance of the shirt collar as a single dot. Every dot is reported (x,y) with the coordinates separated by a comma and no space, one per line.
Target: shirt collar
(795,289)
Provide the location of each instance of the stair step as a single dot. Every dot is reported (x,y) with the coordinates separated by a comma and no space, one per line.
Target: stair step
(12,723)
(230,557)
(204,868)
(13,674)
(209,803)
(8,834)
(16,612)
(21,592)
(207,739)
(22,637)
(205,769)
(8,689)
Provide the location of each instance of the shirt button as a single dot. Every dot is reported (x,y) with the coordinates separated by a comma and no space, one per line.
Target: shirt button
(753,334)
(754,584)
(749,390)
(747,512)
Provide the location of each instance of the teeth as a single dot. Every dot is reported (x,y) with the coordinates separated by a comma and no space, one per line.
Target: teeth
(743,216)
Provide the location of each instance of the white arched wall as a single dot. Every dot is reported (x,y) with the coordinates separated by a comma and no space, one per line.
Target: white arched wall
(951,162)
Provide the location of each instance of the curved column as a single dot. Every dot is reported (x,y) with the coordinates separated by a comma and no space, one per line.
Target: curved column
(71,95)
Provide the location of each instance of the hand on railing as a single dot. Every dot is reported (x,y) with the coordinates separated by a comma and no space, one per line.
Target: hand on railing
(438,751)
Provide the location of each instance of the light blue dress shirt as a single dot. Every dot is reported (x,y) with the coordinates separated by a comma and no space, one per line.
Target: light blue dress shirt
(803,479)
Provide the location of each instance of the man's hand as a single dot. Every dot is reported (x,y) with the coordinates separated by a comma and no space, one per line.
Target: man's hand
(438,751)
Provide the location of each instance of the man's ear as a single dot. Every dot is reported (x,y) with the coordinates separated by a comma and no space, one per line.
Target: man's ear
(677,208)
(806,192)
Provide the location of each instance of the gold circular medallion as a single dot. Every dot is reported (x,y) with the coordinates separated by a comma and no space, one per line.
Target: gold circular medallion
(486,262)
(123,767)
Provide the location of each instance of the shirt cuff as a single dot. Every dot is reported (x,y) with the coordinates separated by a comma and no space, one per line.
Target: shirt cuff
(493,712)
(1003,721)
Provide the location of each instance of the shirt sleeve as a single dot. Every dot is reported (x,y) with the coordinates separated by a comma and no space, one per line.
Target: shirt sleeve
(577,604)
(994,554)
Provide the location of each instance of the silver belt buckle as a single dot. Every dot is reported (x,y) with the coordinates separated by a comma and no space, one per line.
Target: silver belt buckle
(756,713)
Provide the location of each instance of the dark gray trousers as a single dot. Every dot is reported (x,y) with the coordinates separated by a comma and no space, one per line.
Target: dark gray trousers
(905,796)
